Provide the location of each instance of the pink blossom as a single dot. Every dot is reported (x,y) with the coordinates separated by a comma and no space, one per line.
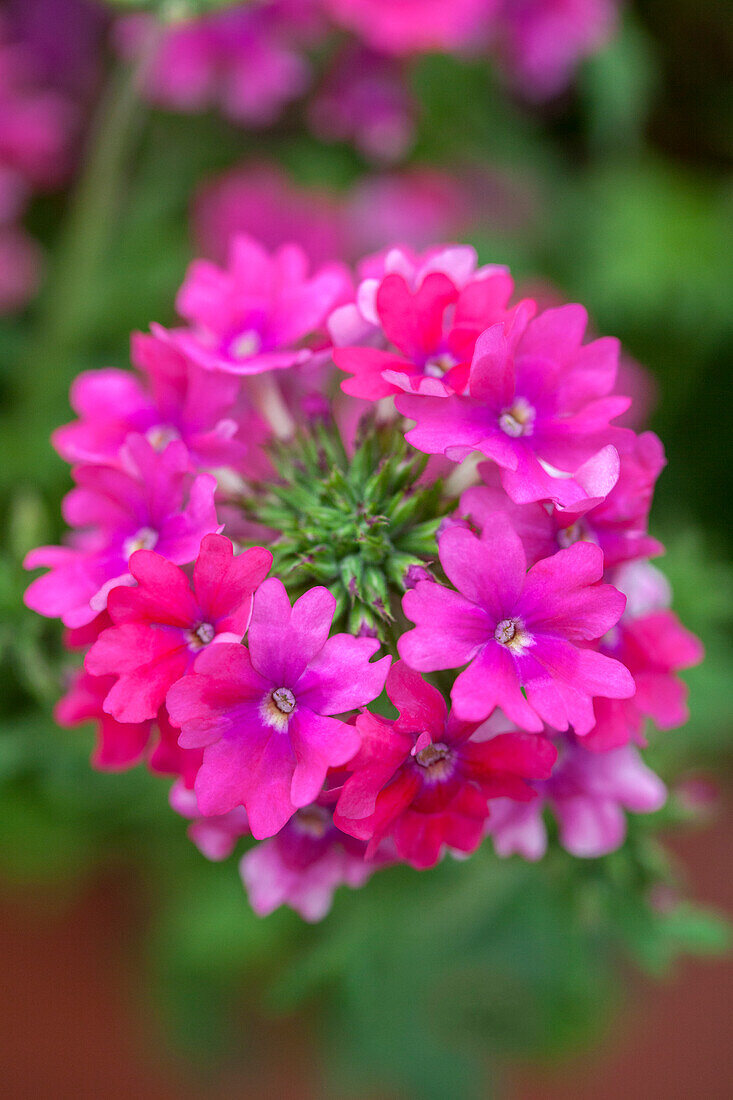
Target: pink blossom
(247,60)
(587,794)
(258,313)
(163,624)
(653,647)
(543,41)
(525,636)
(365,99)
(264,715)
(153,502)
(417,321)
(119,744)
(176,399)
(424,782)
(414,26)
(303,865)
(537,403)
(261,201)
(617,524)
(215,837)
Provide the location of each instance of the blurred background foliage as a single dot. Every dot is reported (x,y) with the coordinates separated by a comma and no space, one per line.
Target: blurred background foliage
(420,980)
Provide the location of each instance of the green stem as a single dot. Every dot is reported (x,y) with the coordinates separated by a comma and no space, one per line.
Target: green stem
(84,238)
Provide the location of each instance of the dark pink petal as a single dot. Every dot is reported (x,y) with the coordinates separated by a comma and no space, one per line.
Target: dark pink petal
(318,743)
(491,681)
(340,677)
(146,661)
(413,320)
(163,594)
(420,705)
(224,583)
(489,571)
(204,704)
(562,595)
(282,640)
(449,628)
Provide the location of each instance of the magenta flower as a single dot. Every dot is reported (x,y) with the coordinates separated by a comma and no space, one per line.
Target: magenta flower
(525,637)
(261,201)
(366,100)
(119,511)
(246,60)
(265,715)
(257,314)
(215,837)
(424,781)
(538,404)
(178,399)
(303,865)
(543,41)
(617,524)
(119,744)
(414,26)
(417,323)
(587,794)
(162,624)
(653,647)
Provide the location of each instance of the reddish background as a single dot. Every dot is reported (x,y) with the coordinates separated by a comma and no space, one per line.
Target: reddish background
(75,1024)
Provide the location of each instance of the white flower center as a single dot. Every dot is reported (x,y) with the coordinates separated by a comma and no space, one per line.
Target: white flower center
(438,365)
(437,761)
(200,636)
(144,539)
(518,419)
(512,634)
(160,436)
(277,707)
(245,345)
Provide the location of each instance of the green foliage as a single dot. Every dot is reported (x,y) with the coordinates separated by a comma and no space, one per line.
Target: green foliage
(352,522)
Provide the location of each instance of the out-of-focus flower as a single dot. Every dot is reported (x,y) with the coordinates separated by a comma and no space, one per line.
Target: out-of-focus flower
(415,26)
(588,794)
(365,100)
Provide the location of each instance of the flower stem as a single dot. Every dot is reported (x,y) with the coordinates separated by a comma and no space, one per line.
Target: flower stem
(88,227)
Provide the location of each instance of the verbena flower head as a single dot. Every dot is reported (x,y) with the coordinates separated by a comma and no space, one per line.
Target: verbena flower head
(486,559)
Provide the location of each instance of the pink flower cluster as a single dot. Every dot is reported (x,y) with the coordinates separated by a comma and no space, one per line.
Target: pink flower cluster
(529,650)
(36,122)
(252,60)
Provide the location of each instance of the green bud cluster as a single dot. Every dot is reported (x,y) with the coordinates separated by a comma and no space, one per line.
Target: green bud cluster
(354,524)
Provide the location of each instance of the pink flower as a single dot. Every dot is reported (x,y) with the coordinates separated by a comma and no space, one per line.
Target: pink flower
(543,41)
(617,524)
(260,200)
(366,100)
(524,636)
(119,744)
(587,794)
(414,26)
(417,321)
(424,782)
(246,60)
(538,404)
(216,836)
(178,400)
(653,647)
(264,716)
(162,624)
(303,865)
(119,511)
(256,315)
